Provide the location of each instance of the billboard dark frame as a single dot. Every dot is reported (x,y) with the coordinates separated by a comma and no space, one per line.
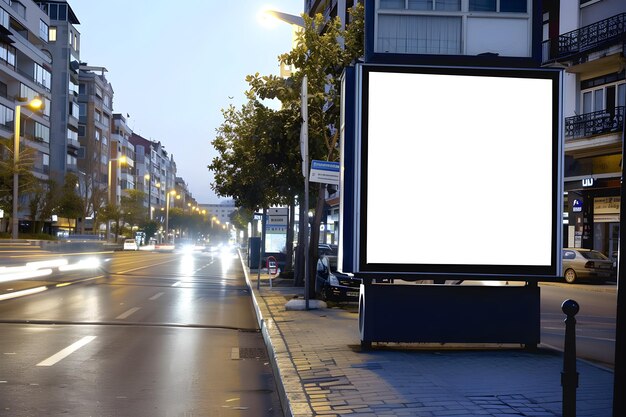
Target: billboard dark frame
(465,271)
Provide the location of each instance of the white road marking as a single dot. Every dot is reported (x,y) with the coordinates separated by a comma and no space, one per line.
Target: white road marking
(155,296)
(176,284)
(128,313)
(62,354)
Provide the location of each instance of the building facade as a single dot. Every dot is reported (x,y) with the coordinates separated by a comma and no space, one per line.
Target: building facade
(126,178)
(94,133)
(64,47)
(588,39)
(25,73)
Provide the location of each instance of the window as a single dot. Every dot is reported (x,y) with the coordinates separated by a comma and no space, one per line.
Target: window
(7,54)
(75,110)
(605,98)
(43,30)
(6,116)
(52,34)
(72,135)
(29,94)
(4,18)
(42,132)
(43,76)
(97,116)
(419,34)
(73,88)
(98,92)
(82,109)
(71,160)
(97,135)
(453,5)
(45,162)
(504,6)
(81,131)
(82,88)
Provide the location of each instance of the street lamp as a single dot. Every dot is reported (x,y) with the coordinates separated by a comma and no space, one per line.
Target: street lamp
(35,104)
(147,178)
(167,213)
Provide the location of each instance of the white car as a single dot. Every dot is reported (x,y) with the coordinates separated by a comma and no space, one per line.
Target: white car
(131,244)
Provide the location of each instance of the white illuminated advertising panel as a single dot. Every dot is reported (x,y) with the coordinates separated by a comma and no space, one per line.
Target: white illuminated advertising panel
(460,172)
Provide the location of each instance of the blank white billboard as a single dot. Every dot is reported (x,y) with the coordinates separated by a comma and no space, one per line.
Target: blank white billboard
(459,170)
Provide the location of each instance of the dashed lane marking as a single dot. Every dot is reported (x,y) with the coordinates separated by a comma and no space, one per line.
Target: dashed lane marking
(128,313)
(62,354)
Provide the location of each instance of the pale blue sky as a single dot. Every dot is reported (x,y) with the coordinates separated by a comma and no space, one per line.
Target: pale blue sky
(173,66)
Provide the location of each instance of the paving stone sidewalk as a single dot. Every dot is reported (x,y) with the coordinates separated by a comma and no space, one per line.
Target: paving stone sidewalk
(317,357)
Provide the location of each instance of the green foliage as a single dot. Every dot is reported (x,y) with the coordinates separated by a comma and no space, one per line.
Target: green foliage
(132,207)
(259,162)
(70,204)
(27,181)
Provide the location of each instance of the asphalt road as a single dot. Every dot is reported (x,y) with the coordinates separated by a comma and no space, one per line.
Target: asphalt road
(595,322)
(151,334)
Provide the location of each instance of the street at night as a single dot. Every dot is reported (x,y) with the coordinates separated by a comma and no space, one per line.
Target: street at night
(147,334)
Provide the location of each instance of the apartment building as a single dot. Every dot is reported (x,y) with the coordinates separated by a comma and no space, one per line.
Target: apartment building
(587,39)
(186,202)
(95,101)
(155,171)
(25,73)
(220,211)
(64,48)
(126,178)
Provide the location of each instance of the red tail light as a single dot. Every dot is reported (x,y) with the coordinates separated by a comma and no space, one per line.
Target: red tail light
(590,264)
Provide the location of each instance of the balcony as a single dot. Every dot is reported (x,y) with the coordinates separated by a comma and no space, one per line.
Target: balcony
(71,143)
(595,123)
(586,39)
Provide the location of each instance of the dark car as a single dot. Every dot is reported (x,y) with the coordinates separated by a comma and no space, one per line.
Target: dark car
(586,265)
(332,285)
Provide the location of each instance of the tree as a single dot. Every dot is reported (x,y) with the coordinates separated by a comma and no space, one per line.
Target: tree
(112,213)
(259,160)
(132,208)
(43,203)
(70,203)
(321,55)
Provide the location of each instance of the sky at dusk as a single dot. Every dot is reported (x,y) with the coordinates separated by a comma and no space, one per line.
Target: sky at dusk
(174,66)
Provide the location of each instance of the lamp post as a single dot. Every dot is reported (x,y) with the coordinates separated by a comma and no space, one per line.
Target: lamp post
(35,104)
(147,178)
(121,160)
(167,213)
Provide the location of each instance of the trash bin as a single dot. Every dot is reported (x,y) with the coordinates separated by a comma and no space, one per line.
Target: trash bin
(254,252)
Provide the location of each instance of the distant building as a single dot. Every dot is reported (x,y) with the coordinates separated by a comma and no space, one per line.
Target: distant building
(120,138)
(221,211)
(94,134)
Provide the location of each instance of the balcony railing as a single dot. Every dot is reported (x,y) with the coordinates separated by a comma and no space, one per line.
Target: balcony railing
(595,123)
(592,36)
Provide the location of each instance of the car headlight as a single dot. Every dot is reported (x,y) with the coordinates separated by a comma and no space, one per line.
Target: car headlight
(332,280)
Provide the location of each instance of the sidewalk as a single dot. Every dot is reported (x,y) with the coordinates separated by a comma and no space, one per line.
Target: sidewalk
(321,370)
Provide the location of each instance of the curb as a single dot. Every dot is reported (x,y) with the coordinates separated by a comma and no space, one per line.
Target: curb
(265,331)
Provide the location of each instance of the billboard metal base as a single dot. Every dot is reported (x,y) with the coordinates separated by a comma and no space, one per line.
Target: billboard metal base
(449,314)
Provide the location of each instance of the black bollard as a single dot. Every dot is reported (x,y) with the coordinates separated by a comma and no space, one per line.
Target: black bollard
(569,376)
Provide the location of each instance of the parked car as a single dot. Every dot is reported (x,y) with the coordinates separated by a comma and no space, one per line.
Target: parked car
(130,244)
(586,265)
(332,285)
